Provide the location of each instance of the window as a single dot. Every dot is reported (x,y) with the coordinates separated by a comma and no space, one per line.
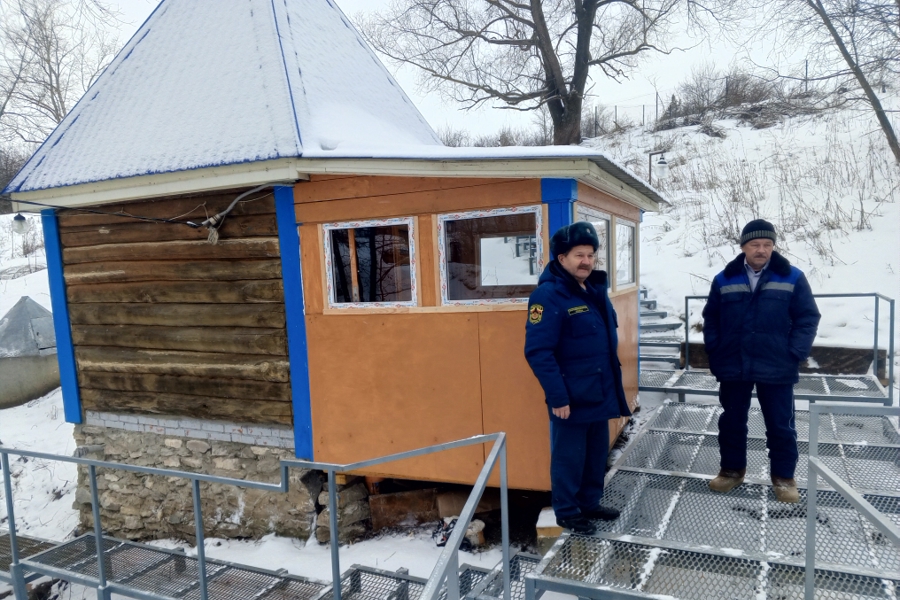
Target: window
(600,221)
(490,256)
(370,263)
(625,253)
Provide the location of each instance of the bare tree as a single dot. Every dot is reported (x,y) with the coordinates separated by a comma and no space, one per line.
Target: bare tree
(525,54)
(855,43)
(52,51)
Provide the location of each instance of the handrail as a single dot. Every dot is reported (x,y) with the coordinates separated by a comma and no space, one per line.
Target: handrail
(449,557)
(817,468)
(876,295)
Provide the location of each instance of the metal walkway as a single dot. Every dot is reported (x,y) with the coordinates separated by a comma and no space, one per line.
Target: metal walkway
(810,387)
(677,539)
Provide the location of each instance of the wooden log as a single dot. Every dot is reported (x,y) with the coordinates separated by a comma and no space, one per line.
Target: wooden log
(226,340)
(241,389)
(173,270)
(183,250)
(198,407)
(268,314)
(208,292)
(138,231)
(197,364)
(193,208)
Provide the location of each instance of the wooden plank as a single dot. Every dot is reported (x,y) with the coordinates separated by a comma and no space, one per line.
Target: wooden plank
(209,292)
(198,364)
(173,270)
(427,261)
(219,387)
(318,190)
(198,407)
(505,193)
(312,262)
(626,306)
(606,203)
(138,231)
(183,250)
(194,208)
(269,314)
(227,340)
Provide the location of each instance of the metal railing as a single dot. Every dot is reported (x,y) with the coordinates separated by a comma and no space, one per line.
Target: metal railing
(875,323)
(445,571)
(818,469)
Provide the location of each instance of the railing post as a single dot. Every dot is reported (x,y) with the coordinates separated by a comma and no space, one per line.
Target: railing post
(687,335)
(875,341)
(102,591)
(15,570)
(890,358)
(811,510)
(333,523)
(453,575)
(201,542)
(504,521)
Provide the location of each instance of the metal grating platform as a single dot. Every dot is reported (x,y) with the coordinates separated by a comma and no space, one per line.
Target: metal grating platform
(27,547)
(810,386)
(520,565)
(364,583)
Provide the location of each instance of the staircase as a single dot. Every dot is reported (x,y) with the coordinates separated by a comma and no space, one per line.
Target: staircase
(659,342)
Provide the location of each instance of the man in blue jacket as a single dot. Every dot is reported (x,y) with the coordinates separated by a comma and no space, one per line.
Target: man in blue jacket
(759,324)
(570,344)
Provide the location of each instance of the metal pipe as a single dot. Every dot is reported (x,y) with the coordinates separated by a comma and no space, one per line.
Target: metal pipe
(890,358)
(333,523)
(504,522)
(15,569)
(201,543)
(687,338)
(98,530)
(875,344)
(811,493)
(453,576)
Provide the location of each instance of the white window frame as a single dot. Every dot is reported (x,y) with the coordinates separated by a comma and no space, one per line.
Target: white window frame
(442,219)
(327,228)
(634,253)
(583,210)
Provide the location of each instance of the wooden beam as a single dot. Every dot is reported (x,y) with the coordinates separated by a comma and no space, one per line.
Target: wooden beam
(318,190)
(241,389)
(268,314)
(210,292)
(200,407)
(227,340)
(185,250)
(198,364)
(139,231)
(173,270)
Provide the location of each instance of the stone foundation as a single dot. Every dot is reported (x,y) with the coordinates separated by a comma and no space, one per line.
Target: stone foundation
(136,506)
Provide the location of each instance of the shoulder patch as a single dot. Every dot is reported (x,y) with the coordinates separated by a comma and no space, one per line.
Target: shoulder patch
(578,309)
(535,314)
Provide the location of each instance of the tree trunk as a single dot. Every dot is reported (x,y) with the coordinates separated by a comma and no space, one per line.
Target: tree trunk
(567,128)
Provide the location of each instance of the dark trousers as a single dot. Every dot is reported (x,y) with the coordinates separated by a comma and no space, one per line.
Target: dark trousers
(777,404)
(578,454)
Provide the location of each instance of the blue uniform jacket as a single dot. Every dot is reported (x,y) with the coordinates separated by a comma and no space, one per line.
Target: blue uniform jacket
(760,336)
(570,344)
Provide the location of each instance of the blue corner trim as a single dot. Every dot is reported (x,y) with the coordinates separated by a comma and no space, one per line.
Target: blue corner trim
(559,195)
(65,350)
(298,355)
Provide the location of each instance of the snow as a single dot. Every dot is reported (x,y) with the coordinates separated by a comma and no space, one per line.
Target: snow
(226,82)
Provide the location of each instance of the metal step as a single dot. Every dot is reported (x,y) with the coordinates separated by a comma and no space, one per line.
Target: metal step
(660,358)
(643,292)
(491,587)
(651,304)
(660,326)
(661,314)
(660,342)
(365,583)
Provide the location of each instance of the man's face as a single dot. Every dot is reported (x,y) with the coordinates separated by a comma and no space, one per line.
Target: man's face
(579,262)
(757,252)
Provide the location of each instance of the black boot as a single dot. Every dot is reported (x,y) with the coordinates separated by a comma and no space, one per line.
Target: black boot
(603,513)
(577,524)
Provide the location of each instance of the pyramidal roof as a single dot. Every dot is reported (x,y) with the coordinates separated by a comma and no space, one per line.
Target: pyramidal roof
(26,329)
(218,82)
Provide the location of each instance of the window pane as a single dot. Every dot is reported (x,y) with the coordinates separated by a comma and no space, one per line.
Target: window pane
(491,257)
(624,254)
(371,264)
(601,224)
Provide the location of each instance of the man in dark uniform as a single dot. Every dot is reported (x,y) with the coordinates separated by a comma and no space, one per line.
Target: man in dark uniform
(570,344)
(759,323)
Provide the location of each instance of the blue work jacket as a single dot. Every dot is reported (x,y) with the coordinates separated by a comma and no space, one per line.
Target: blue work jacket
(762,335)
(571,343)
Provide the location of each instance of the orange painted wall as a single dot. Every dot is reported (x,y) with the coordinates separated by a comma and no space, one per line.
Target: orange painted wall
(388,381)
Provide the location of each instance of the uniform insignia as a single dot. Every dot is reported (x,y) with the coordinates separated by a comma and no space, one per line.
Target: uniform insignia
(535,314)
(578,309)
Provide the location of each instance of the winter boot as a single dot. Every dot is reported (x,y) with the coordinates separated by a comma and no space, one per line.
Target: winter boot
(603,513)
(785,489)
(727,480)
(577,524)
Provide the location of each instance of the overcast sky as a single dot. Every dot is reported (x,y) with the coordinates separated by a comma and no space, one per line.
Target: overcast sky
(658,72)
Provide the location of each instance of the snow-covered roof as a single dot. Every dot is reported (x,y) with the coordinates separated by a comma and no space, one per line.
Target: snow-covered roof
(221,82)
(26,330)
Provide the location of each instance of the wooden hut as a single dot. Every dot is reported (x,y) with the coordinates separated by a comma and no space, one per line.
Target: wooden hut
(366,295)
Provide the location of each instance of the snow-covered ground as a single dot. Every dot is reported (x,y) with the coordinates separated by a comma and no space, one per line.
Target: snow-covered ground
(826,181)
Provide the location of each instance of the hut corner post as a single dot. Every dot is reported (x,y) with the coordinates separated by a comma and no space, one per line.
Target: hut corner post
(65,349)
(289,242)
(559,195)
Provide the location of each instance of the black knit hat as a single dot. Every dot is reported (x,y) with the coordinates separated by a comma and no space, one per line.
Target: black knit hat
(756,229)
(567,237)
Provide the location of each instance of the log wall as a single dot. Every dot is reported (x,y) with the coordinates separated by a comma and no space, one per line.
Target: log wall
(165,322)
